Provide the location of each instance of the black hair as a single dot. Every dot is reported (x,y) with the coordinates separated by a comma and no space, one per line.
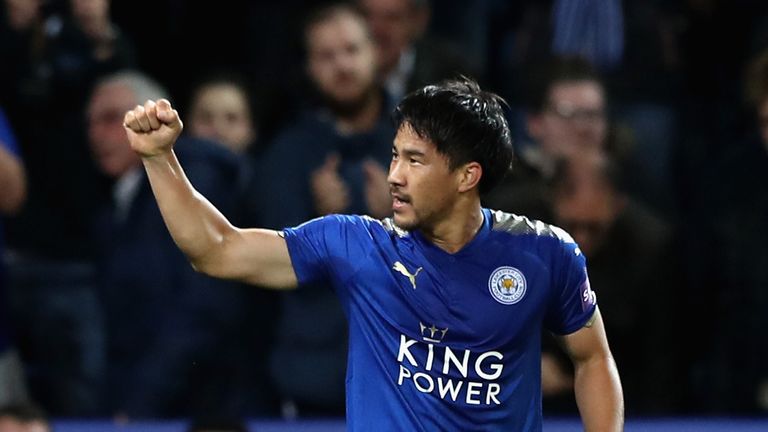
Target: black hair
(229,78)
(326,11)
(465,123)
(544,76)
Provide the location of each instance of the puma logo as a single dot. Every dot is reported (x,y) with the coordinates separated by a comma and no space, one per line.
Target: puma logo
(400,268)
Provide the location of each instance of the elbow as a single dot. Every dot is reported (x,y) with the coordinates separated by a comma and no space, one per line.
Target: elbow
(206,267)
(213,260)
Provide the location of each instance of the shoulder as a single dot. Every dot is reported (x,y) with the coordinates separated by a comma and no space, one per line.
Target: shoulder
(345,222)
(516,225)
(340,235)
(522,234)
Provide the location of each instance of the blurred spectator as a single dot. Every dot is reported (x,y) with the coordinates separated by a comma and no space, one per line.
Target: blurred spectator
(636,47)
(466,26)
(22,43)
(332,159)
(631,268)
(54,62)
(85,46)
(221,110)
(50,65)
(563,177)
(566,116)
(23,418)
(731,263)
(13,187)
(408,60)
(172,334)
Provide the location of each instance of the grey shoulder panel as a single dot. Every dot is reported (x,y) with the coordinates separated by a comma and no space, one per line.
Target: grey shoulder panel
(521,225)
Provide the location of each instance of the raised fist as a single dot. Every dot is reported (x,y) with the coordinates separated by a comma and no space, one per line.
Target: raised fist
(152,128)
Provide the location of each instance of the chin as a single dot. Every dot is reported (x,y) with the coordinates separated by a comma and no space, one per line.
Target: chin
(406,223)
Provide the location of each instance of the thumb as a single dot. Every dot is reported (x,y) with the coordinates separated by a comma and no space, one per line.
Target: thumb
(167,115)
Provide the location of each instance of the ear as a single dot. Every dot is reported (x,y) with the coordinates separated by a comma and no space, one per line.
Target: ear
(469,176)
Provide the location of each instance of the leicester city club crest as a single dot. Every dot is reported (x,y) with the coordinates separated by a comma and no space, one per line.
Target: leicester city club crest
(507,285)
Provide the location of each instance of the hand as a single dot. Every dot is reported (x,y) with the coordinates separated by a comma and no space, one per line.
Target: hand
(153,128)
(377,196)
(330,192)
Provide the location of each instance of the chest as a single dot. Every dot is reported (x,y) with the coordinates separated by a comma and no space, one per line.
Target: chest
(484,300)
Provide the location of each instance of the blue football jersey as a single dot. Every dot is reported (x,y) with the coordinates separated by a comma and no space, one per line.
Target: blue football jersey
(441,341)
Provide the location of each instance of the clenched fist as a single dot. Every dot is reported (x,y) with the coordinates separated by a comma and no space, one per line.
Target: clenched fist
(152,128)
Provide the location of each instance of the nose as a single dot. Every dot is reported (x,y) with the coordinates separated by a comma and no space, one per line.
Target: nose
(395,176)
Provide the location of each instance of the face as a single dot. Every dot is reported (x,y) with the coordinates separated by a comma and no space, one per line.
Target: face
(394,27)
(220,112)
(762,117)
(587,214)
(423,186)
(106,134)
(341,59)
(574,120)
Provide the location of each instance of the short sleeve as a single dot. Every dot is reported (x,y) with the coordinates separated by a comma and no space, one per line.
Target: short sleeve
(328,248)
(574,302)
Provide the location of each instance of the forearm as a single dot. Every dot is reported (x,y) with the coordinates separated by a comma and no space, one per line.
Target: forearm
(12,183)
(196,226)
(211,243)
(599,395)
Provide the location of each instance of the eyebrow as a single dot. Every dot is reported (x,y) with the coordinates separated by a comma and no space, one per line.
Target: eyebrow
(408,152)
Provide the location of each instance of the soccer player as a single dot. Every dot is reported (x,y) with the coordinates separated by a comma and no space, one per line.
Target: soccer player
(446,300)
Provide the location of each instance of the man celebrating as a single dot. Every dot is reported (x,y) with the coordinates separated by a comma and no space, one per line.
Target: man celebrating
(446,300)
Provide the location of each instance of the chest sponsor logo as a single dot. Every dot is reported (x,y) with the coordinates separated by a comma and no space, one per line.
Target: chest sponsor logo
(400,268)
(456,375)
(507,285)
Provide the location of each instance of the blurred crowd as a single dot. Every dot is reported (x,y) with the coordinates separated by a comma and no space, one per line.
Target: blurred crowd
(641,127)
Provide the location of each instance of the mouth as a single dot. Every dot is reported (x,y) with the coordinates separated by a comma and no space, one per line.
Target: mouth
(399,201)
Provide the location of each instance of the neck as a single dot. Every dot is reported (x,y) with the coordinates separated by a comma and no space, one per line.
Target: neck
(455,231)
(363,119)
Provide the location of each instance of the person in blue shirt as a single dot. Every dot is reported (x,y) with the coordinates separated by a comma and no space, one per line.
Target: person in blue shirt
(445,300)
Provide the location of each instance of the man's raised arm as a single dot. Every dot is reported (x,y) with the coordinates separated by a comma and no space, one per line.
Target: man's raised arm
(211,243)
